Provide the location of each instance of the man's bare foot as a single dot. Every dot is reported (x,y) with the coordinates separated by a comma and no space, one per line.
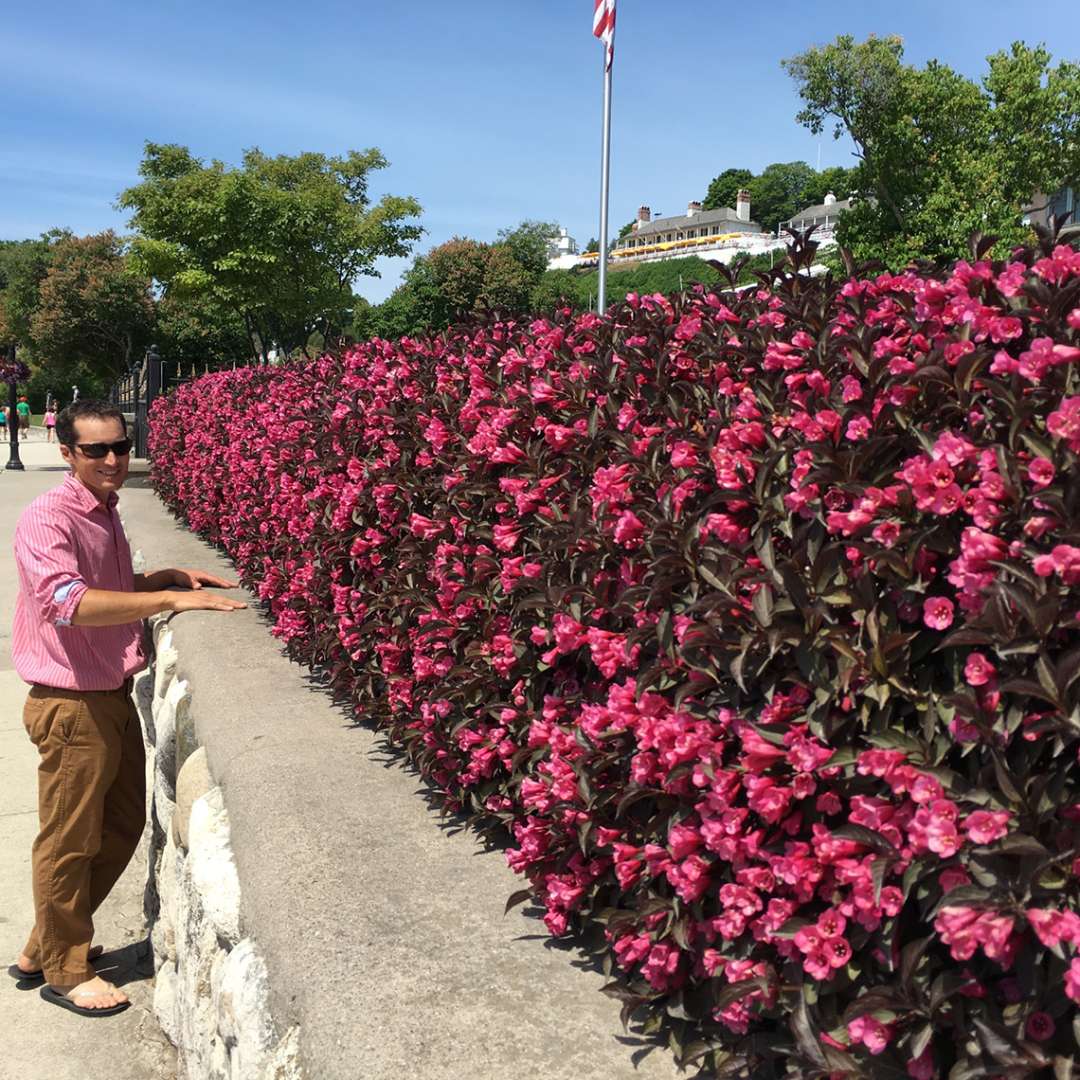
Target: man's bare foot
(24,963)
(95,993)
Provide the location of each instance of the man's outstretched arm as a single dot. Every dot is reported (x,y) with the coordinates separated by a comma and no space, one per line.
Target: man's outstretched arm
(106,607)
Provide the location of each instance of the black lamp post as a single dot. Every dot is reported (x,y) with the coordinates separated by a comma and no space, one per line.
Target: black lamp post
(12,371)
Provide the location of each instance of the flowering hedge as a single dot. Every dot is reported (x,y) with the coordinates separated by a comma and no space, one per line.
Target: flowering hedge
(752,620)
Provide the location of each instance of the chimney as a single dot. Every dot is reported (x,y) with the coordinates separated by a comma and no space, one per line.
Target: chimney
(644,214)
(742,205)
(830,199)
(693,208)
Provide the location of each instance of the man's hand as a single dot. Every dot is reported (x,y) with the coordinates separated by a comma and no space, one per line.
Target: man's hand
(196,579)
(197,600)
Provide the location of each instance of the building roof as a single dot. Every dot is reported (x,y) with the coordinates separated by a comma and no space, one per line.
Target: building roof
(683,221)
(823,209)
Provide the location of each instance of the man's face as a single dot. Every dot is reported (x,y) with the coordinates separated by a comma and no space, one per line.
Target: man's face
(101,475)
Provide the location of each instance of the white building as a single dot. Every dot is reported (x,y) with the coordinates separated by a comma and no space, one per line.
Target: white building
(719,234)
(825,216)
(562,251)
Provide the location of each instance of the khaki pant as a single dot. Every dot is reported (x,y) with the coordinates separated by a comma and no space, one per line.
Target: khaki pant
(92,807)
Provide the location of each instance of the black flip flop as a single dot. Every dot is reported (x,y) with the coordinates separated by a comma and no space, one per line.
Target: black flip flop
(54,997)
(19,975)
(35,977)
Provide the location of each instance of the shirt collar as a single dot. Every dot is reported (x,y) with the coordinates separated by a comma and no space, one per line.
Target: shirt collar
(83,497)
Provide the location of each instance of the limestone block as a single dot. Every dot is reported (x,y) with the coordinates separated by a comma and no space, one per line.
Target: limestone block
(196,950)
(218,1067)
(164,807)
(187,742)
(217,972)
(142,692)
(163,934)
(164,664)
(177,699)
(165,1001)
(211,866)
(192,782)
(243,1011)
(284,1061)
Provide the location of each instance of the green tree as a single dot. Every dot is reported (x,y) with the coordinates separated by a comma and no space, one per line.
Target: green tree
(780,192)
(278,241)
(594,244)
(724,188)
(23,266)
(194,330)
(93,309)
(835,180)
(460,276)
(527,244)
(458,269)
(941,157)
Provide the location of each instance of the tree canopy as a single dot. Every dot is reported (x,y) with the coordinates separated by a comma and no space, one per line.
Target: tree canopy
(725,187)
(464,275)
(941,157)
(277,241)
(92,309)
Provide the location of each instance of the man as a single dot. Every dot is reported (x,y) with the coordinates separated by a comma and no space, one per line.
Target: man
(22,407)
(77,640)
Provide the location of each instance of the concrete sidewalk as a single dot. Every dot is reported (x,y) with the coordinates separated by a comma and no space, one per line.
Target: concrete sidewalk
(37,1040)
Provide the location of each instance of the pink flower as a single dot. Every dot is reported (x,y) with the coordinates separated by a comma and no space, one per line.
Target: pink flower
(683,455)
(922,1067)
(978,671)
(505,537)
(558,436)
(1053,927)
(986,826)
(952,878)
(871,1033)
(1072,980)
(887,533)
(857,429)
(937,612)
(629,529)
(1041,472)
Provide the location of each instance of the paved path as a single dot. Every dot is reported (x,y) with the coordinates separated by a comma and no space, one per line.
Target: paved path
(37,1040)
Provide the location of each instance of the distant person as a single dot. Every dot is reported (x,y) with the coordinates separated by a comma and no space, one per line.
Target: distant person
(50,421)
(77,640)
(3,419)
(23,409)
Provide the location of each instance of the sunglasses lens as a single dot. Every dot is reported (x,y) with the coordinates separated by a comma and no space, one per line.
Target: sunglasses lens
(98,450)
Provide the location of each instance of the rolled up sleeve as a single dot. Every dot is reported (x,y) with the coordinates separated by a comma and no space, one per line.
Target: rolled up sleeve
(49,567)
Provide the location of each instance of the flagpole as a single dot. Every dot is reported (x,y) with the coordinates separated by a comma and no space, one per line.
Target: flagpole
(605,171)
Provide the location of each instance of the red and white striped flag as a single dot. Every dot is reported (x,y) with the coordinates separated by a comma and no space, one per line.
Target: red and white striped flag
(603,26)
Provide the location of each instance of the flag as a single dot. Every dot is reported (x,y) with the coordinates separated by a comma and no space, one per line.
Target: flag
(603,26)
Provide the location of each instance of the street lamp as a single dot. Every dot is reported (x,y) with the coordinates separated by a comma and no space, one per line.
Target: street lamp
(13,371)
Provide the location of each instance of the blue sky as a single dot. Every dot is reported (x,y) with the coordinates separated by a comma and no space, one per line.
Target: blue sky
(488,111)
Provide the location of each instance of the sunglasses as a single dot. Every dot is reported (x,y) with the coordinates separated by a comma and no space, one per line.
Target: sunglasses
(101,449)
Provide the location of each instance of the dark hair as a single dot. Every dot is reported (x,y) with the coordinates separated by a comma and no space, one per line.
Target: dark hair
(84,408)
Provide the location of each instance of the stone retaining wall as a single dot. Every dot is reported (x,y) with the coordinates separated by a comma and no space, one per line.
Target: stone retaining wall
(211,994)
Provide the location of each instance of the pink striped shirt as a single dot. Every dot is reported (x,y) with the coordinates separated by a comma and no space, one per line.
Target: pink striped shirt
(67,541)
